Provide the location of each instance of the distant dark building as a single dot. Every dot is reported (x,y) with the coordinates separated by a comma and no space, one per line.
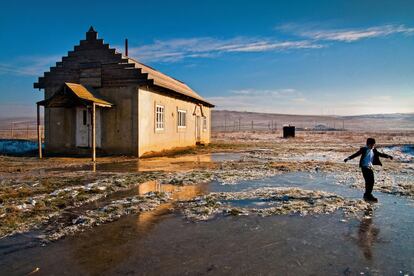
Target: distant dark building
(288,131)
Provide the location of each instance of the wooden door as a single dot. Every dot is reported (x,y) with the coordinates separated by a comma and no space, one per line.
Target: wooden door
(84,127)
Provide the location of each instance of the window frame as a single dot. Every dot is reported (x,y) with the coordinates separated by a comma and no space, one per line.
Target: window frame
(85,117)
(179,119)
(159,114)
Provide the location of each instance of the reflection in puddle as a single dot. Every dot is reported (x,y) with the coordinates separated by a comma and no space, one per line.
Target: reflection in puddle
(367,234)
(184,192)
(98,249)
(180,163)
(152,186)
(176,193)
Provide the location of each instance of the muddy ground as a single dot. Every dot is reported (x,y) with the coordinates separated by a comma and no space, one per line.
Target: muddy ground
(64,196)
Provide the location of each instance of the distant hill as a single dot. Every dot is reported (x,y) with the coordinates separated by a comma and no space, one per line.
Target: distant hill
(394,116)
(229,120)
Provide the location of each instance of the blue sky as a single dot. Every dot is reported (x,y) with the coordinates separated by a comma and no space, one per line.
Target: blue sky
(297,57)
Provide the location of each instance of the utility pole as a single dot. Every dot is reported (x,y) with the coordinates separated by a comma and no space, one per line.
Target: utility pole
(39,133)
(93,132)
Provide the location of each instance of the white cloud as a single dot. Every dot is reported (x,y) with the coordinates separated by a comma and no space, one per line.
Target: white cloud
(29,65)
(179,49)
(313,37)
(261,100)
(166,51)
(285,92)
(206,47)
(346,35)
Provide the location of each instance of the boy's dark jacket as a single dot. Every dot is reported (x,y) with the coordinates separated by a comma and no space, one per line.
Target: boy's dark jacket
(376,161)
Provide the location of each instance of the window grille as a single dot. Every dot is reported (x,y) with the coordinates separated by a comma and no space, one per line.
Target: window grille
(159,117)
(181,118)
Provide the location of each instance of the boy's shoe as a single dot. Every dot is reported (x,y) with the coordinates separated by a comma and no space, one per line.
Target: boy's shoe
(370,198)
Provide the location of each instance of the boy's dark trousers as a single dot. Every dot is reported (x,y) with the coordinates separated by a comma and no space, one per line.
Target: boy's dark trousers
(369,180)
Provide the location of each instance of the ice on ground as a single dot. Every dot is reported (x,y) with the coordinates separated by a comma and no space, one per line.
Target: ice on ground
(320,156)
(403,153)
(110,212)
(385,182)
(278,201)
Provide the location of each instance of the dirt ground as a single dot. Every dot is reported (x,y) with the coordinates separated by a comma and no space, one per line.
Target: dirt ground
(62,196)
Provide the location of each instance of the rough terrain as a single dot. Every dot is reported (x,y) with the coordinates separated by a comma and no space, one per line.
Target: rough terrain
(61,196)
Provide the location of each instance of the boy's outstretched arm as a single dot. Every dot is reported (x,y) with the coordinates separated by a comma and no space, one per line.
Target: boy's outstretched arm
(384,155)
(359,152)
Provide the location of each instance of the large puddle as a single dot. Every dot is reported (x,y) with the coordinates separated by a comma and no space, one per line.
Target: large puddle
(180,163)
(161,242)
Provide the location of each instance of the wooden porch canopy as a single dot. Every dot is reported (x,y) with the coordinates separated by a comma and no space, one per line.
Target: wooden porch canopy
(72,95)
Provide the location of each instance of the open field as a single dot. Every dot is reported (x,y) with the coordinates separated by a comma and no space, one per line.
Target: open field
(54,198)
(224,120)
(228,121)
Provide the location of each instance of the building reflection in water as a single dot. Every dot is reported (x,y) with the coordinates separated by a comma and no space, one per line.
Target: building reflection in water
(179,163)
(104,247)
(177,193)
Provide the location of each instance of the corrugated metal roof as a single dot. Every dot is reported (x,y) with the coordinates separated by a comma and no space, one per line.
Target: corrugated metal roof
(166,81)
(84,94)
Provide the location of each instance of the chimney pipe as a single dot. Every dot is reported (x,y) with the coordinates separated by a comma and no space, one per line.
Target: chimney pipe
(126,47)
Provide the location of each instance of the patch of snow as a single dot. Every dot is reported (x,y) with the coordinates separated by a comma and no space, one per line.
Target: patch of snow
(403,153)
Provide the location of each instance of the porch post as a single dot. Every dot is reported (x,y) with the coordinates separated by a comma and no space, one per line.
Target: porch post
(93,132)
(39,133)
